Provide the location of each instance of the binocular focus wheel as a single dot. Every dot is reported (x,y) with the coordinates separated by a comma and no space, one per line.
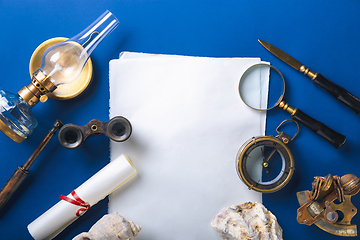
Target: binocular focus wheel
(70,136)
(118,129)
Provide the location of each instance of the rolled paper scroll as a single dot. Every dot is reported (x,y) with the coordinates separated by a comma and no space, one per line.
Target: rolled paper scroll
(61,215)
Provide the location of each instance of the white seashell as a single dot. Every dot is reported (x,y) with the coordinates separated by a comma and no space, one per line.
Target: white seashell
(111,227)
(250,221)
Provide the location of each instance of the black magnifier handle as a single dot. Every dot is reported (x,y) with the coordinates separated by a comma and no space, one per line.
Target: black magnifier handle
(336,139)
(333,137)
(338,92)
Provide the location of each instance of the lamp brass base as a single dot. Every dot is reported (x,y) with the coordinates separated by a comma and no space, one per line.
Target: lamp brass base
(62,92)
(10,133)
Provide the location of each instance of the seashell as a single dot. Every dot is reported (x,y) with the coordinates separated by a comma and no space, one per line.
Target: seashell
(111,227)
(251,221)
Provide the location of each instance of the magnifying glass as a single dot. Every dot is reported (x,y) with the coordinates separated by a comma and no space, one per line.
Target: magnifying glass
(259,94)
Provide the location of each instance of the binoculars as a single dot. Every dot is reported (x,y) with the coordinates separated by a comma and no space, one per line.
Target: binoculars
(117,129)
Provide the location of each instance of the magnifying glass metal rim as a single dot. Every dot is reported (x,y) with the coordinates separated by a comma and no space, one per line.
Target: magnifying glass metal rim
(281,96)
(242,156)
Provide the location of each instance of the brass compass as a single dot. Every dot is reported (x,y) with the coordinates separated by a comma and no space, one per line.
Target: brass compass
(265,164)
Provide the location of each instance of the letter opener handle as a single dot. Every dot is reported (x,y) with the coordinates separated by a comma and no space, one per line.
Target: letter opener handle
(335,90)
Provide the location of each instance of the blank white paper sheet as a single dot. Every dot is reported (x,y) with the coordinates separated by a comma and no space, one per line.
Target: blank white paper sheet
(188,125)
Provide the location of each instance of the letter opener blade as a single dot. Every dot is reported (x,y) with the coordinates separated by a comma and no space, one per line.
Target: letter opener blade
(338,92)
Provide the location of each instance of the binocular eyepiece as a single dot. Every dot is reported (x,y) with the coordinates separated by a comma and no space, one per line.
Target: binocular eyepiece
(117,129)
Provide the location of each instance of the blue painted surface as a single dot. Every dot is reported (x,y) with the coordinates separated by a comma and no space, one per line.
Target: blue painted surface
(322,34)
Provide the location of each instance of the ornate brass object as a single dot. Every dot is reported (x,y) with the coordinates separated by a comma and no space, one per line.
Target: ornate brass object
(265,164)
(39,86)
(330,196)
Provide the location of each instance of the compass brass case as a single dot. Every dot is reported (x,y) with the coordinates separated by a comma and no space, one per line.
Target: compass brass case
(279,146)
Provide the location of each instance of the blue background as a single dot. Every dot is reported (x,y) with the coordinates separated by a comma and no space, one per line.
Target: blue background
(323,35)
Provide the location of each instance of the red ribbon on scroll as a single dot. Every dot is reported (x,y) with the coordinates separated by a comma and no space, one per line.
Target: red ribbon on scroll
(78,201)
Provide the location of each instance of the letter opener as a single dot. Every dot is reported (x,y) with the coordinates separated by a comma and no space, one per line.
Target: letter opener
(338,92)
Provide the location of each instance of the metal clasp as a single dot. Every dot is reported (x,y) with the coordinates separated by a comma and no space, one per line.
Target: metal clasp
(283,136)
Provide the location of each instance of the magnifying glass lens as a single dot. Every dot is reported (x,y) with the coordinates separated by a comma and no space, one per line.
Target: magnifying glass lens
(257,91)
(265,165)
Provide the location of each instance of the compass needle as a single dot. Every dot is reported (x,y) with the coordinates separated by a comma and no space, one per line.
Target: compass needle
(267,172)
(264,163)
(271,154)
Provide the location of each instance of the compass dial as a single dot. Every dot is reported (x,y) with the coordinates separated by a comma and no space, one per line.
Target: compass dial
(265,164)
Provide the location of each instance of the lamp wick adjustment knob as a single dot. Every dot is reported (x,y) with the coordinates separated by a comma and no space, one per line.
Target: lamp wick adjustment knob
(43,98)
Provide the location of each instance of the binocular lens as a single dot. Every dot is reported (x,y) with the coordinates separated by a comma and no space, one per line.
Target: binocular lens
(70,136)
(119,129)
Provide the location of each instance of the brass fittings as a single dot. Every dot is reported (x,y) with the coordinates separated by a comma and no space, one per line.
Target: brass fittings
(39,86)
